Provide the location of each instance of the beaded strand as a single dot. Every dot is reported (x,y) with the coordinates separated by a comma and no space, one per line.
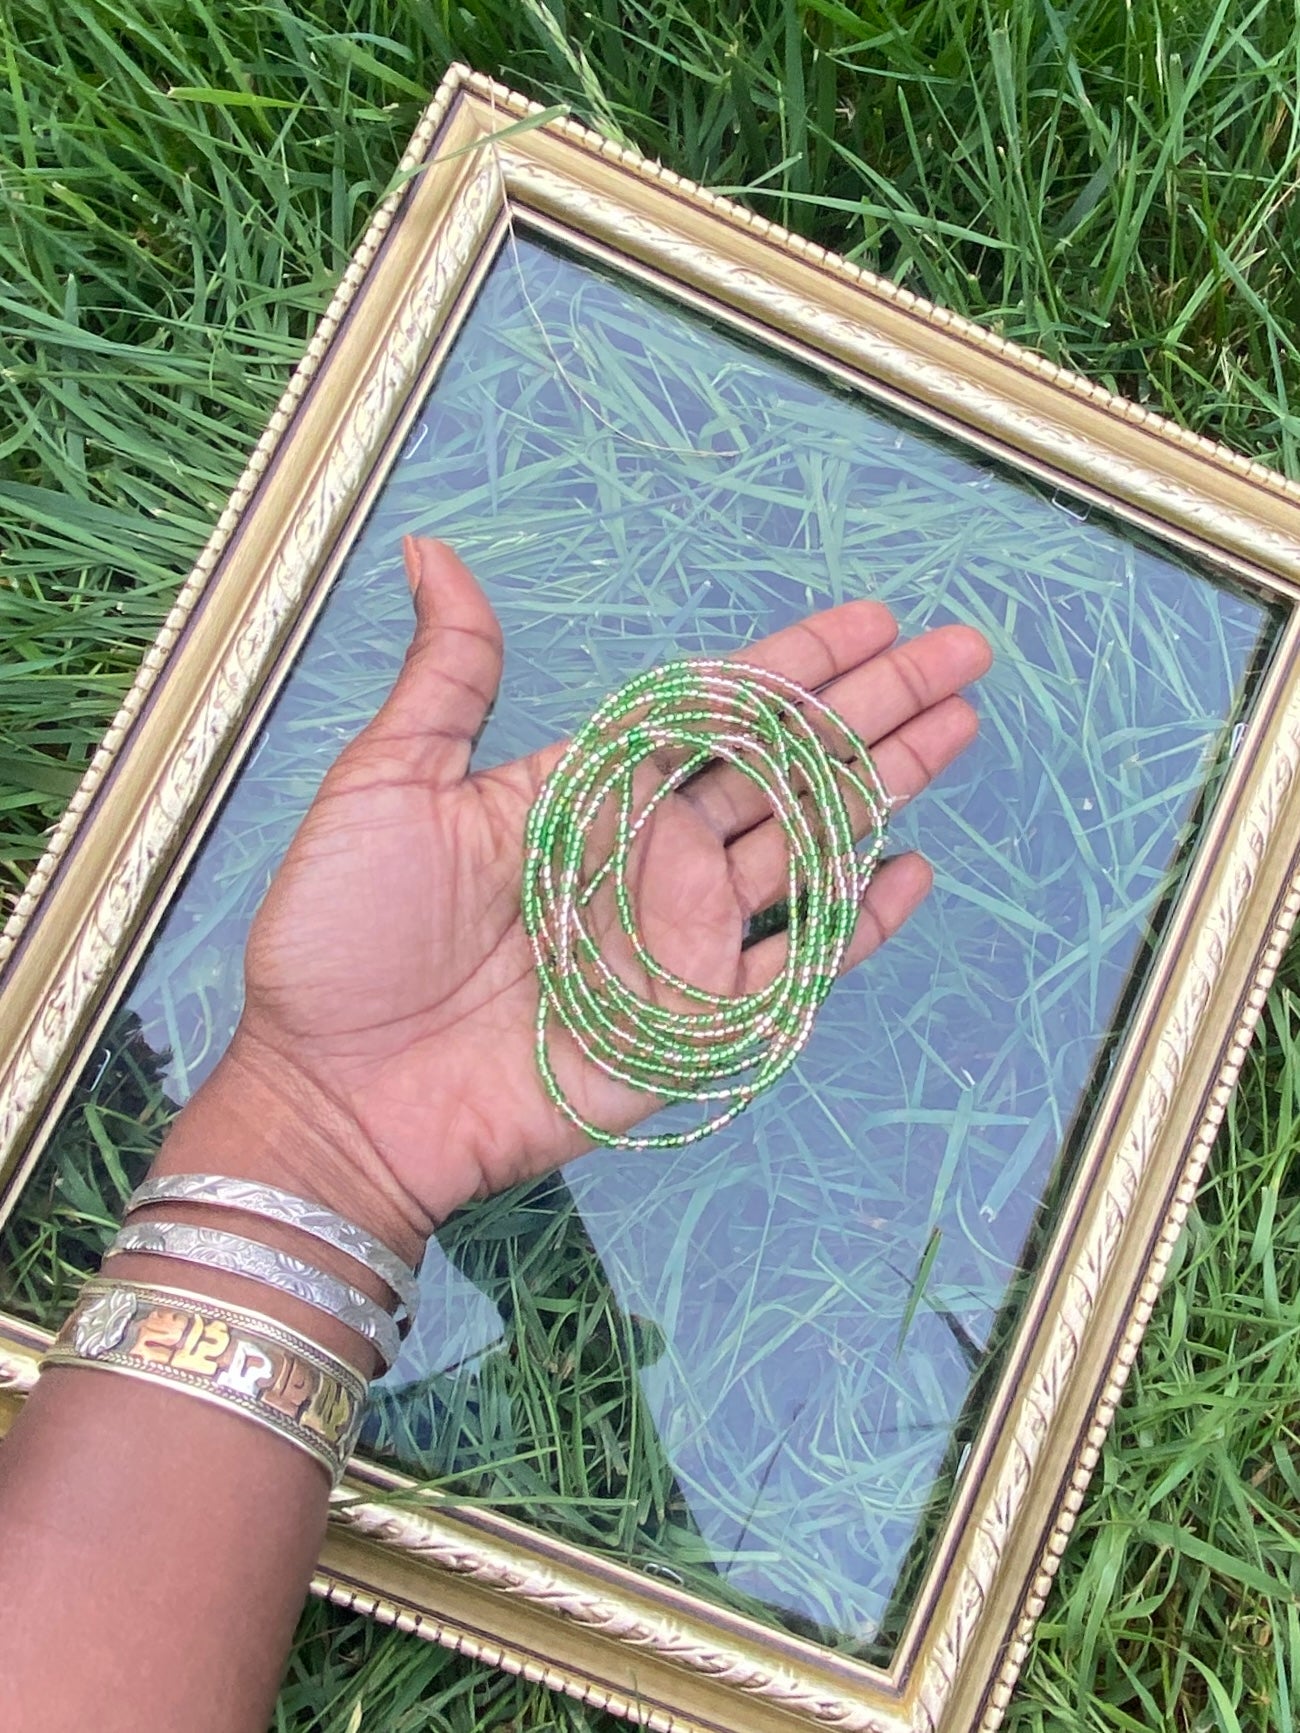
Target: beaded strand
(714,1048)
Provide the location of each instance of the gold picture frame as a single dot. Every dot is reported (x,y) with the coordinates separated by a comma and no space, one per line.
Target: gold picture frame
(475,1579)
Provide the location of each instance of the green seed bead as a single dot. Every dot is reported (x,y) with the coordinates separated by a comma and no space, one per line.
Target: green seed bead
(707,1048)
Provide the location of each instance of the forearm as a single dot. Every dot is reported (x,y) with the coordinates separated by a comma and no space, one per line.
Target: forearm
(156,1554)
(157,1548)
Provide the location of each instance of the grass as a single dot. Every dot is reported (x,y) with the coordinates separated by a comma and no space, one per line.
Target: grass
(631,484)
(1109,184)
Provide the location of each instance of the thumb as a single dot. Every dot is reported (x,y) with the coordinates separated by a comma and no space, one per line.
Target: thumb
(429,721)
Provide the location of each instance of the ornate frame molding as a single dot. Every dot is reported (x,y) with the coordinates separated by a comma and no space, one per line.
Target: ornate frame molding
(486,1585)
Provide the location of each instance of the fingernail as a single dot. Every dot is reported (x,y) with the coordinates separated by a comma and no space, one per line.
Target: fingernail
(411,560)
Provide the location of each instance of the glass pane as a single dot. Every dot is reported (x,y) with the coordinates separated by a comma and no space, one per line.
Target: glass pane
(753,1366)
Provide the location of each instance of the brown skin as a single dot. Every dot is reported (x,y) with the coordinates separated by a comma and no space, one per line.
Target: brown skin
(157,1550)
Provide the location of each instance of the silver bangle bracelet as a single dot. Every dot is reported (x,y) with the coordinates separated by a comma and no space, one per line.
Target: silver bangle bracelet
(274,1205)
(237,1256)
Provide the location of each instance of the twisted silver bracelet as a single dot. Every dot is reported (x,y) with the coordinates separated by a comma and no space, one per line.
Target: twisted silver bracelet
(273,1205)
(215,1250)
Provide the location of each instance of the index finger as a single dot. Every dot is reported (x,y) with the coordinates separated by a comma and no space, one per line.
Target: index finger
(820,648)
(811,652)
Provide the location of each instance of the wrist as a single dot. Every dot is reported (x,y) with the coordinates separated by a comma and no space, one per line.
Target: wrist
(260,1117)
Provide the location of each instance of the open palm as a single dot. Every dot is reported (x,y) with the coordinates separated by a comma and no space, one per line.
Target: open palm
(389,967)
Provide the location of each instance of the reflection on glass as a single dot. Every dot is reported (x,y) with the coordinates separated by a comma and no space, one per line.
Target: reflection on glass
(753,1366)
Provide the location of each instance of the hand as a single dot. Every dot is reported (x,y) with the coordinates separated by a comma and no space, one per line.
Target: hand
(391,998)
